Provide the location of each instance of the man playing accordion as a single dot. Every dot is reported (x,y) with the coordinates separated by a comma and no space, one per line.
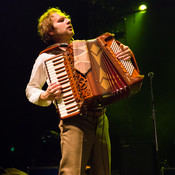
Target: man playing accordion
(84,139)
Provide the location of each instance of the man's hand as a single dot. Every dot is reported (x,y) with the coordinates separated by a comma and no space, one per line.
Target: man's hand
(53,92)
(125,53)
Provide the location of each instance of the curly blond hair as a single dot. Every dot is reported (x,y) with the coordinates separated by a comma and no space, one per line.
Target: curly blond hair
(45,23)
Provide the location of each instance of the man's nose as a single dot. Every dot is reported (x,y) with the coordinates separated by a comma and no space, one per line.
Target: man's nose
(68,21)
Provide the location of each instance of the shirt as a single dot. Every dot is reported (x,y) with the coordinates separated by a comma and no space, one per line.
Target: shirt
(37,80)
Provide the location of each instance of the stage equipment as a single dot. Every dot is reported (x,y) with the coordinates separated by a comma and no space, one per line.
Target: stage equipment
(92,76)
(142,7)
(168,171)
(43,171)
(137,158)
(156,147)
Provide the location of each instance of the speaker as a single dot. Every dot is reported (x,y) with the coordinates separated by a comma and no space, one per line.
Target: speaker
(168,171)
(44,171)
(137,158)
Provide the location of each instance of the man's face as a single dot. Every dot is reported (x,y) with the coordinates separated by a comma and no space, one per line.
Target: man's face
(63,30)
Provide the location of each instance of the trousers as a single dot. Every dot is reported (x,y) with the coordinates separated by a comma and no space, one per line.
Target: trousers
(85,141)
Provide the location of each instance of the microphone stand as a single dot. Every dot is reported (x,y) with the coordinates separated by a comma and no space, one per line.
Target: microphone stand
(156,148)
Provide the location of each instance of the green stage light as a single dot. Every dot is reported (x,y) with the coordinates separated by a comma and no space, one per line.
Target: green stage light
(142,7)
(12,149)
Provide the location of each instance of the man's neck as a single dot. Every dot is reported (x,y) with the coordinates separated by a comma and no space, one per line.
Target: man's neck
(63,40)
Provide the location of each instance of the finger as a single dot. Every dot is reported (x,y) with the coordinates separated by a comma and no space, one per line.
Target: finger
(50,87)
(57,89)
(122,46)
(121,49)
(118,52)
(54,87)
(127,58)
(55,83)
(57,97)
(58,92)
(123,56)
(122,52)
(125,51)
(48,90)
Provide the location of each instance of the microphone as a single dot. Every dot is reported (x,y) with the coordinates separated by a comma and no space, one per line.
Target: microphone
(150,74)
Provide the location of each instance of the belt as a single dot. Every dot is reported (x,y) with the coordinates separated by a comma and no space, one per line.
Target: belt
(94,113)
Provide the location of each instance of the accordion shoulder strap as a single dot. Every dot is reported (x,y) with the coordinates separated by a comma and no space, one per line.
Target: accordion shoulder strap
(54,48)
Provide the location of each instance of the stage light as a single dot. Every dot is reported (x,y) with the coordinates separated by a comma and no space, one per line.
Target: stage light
(12,149)
(142,7)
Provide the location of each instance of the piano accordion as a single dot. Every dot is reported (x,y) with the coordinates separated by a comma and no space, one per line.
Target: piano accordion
(109,79)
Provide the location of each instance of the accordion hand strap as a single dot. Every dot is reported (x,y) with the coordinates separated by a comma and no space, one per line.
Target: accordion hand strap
(81,56)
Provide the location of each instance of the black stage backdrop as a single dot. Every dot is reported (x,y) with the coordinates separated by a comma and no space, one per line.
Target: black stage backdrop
(25,129)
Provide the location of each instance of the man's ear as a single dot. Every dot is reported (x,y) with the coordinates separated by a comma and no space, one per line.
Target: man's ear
(51,32)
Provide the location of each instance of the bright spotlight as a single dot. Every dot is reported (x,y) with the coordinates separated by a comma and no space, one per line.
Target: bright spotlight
(142,7)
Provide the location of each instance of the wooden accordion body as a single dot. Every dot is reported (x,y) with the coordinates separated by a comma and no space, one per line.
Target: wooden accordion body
(108,80)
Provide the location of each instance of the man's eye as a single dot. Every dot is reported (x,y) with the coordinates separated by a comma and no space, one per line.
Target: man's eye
(61,20)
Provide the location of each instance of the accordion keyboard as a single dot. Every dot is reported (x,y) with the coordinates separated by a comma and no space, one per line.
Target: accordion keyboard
(57,73)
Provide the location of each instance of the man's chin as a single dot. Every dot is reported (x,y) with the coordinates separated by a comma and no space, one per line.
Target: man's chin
(72,33)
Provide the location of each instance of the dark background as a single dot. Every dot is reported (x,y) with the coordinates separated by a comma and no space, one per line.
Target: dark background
(27,127)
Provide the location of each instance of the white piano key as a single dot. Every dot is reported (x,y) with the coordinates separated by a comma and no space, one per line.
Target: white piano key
(64,109)
(63,78)
(71,96)
(53,79)
(65,85)
(67,93)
